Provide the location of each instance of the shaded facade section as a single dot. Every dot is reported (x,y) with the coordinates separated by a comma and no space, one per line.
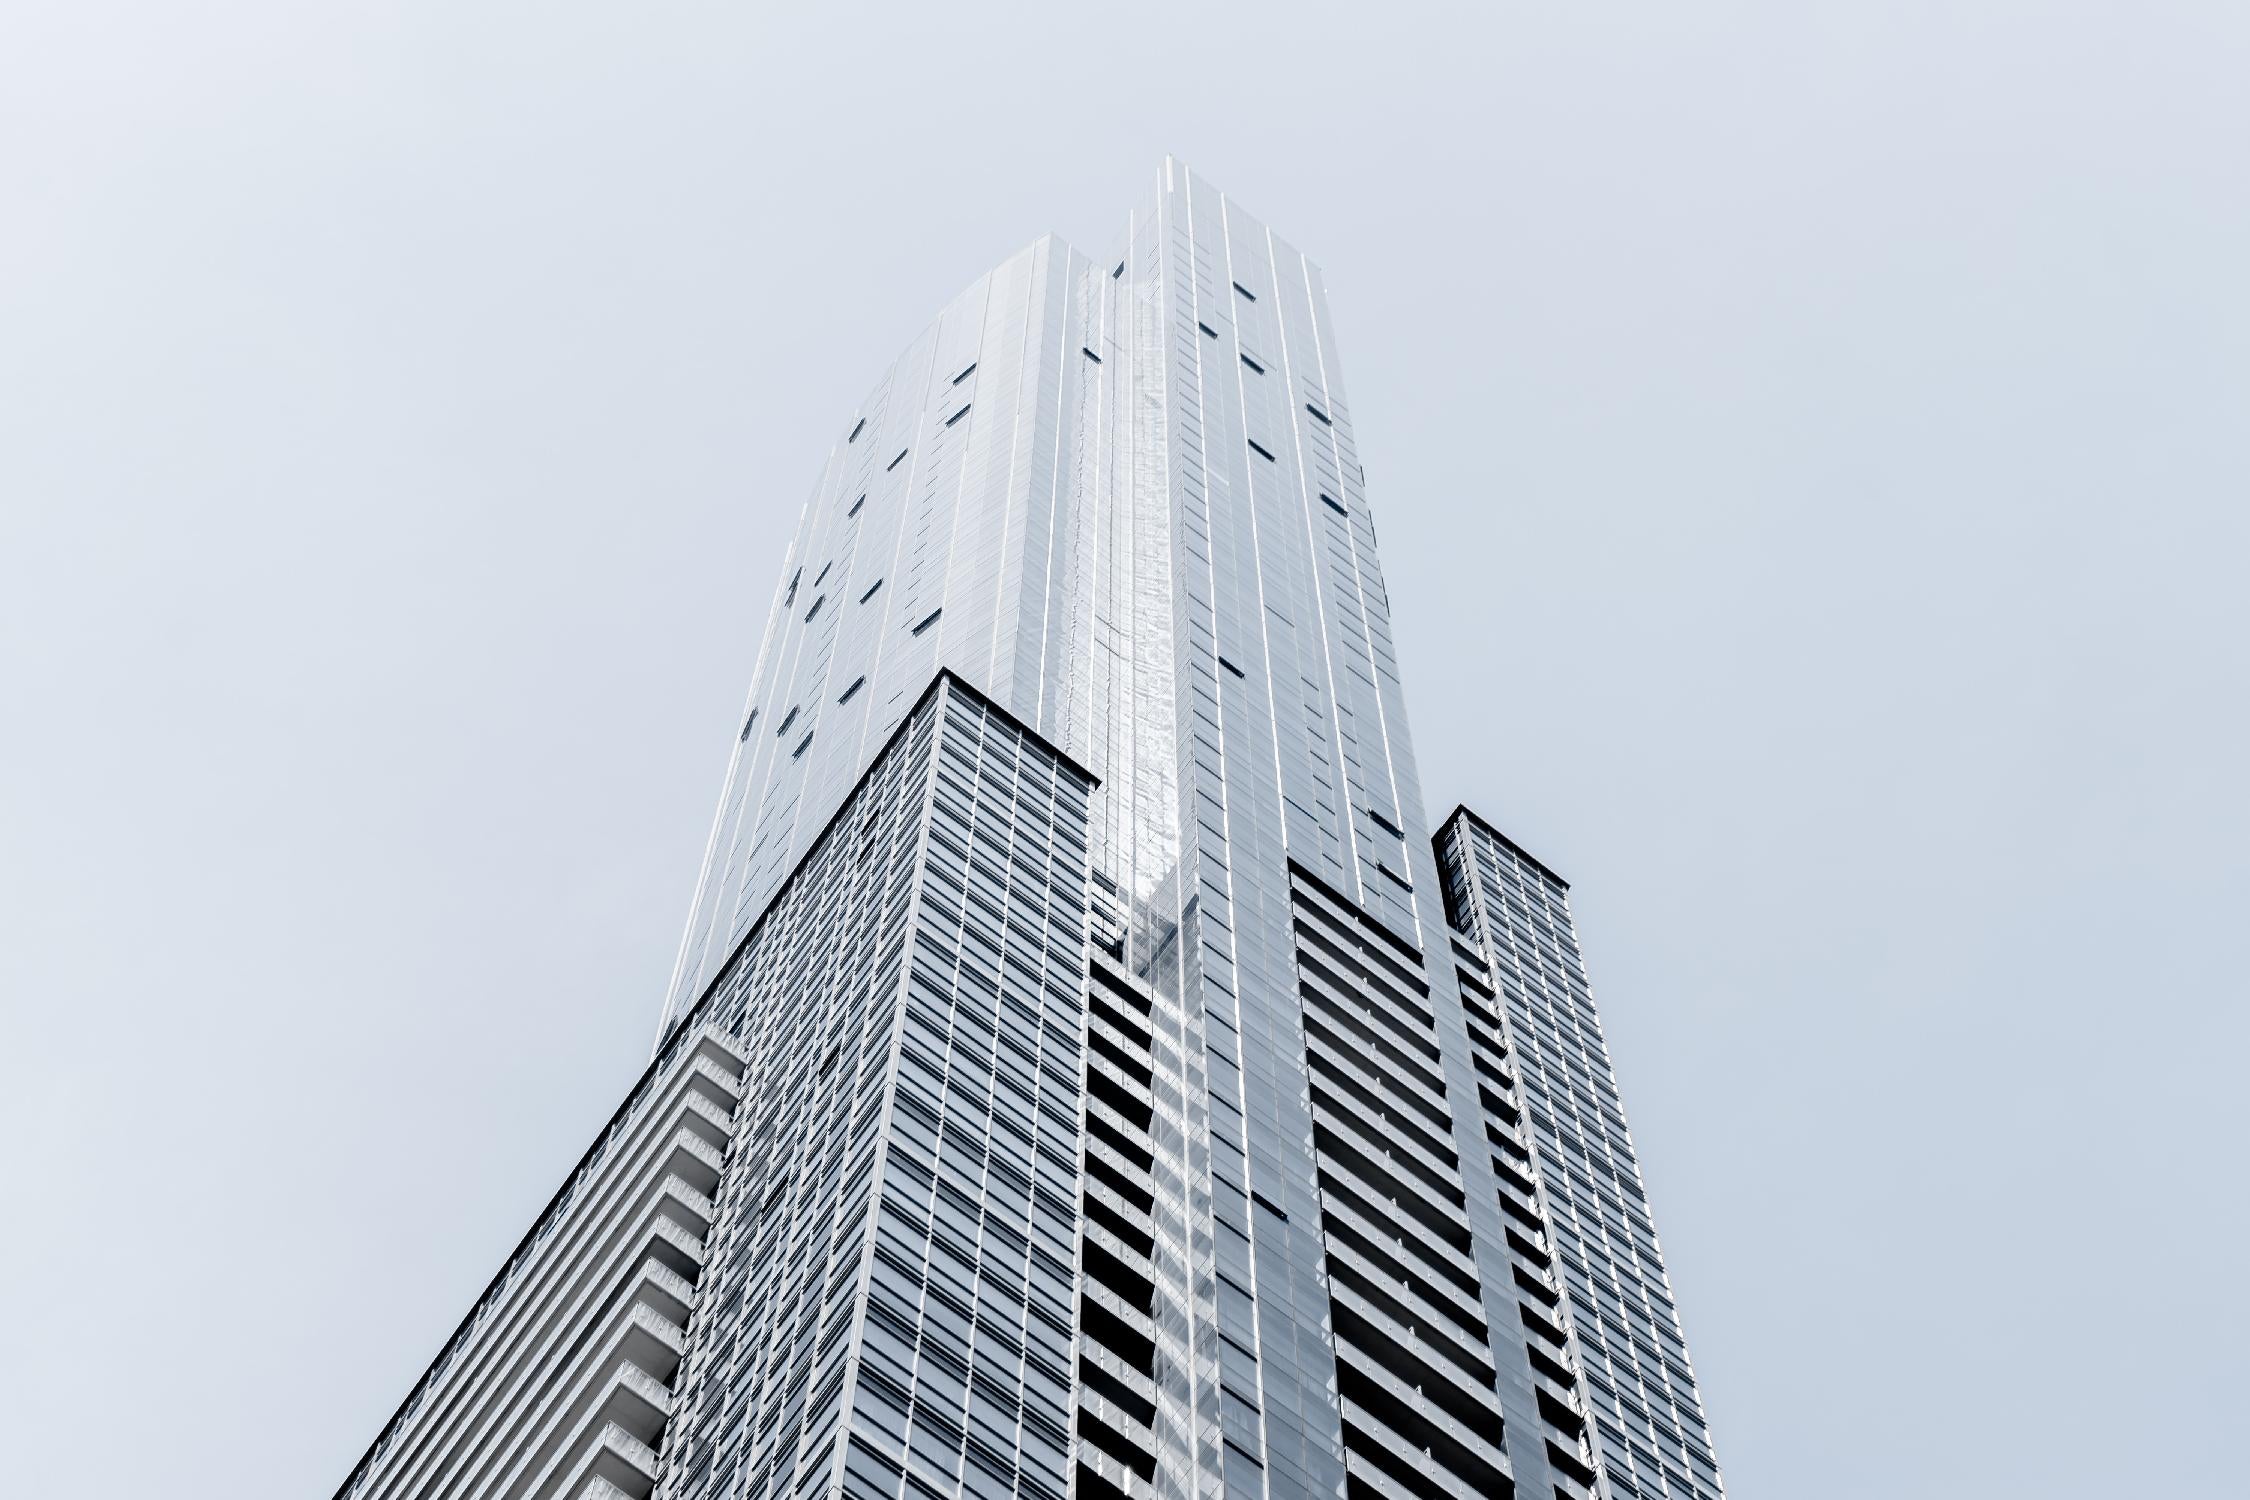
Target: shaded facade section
(1617,1331)
(563,1379)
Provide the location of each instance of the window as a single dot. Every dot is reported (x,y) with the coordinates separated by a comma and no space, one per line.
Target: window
(1259,449)
(871,588)
(857,683)
(1333,503)
(1319,415)
(1253,296)
(894,463)
(928,621)
(966,371)
(856,426)
(748,725)
(1253,364)
(1208,330)
(957,416)
(856,504)
(1090,354)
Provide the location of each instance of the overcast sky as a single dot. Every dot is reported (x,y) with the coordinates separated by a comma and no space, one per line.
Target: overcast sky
(1811,446)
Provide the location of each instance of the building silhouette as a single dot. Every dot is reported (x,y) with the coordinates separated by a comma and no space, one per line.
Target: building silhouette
(1081,1076)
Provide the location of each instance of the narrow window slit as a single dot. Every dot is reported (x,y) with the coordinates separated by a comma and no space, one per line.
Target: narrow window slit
(1260,449)
(1319,415)
(966,372)
(857,683)
(928,620)
(1333,503)
(856,428)
(957,416)
(1090,354)
(871,588)
(894,463)
(1253,364)
(1253,296)
(1230,666)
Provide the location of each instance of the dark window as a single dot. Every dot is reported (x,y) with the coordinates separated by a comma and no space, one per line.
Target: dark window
(1253,364)
(894,463)
(1259,449)
(966,371)
(1208,329)
(857,683)
(856,504)
(802,746)
(1319,415)
(1253,296)
(957,416)
(1230,666)
(783,727)
(871,588)
(749,724)
(1334,504)
(1090,354)
(928,621)
(856,426)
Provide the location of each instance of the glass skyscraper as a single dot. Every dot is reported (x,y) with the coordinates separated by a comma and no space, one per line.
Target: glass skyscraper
(1080,1075)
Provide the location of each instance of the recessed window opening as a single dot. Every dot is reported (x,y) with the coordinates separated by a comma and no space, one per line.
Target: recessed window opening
(966,371)
(857,683)
(928,620)
(957,416)
(1260,449)
(1253,364)
(856,426)
(871,588)
(1253,296)
(894,463)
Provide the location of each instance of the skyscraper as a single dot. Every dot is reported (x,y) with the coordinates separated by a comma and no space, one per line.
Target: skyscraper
(1079,1075)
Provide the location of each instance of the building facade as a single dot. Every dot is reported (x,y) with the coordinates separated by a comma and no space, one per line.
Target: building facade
(1132,1102)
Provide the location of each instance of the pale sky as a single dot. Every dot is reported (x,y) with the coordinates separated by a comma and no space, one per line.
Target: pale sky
(1811,447)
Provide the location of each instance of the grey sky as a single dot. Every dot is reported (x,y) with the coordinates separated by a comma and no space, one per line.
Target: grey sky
(1811,447)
